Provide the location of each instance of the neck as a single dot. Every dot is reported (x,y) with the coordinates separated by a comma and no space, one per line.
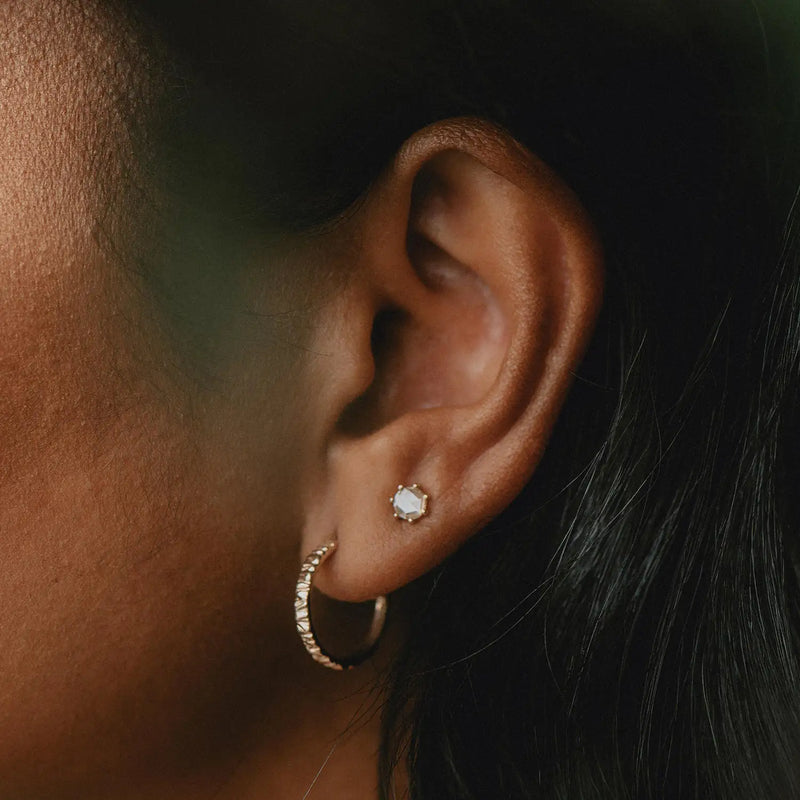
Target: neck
(319,738)
(321,742)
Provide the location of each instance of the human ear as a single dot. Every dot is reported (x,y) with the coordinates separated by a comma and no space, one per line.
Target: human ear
(473,288)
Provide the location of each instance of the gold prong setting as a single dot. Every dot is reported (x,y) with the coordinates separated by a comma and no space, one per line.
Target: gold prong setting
(409,503)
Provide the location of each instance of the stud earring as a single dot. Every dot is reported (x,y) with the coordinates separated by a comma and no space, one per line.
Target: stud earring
(305,627)
(409,503)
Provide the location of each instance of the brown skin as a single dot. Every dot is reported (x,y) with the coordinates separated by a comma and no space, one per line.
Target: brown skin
(153,512)
(146,538)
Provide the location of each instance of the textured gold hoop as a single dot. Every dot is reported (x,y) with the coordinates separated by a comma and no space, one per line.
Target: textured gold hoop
(302,615)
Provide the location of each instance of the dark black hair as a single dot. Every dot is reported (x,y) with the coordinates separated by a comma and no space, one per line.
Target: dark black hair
(628,628)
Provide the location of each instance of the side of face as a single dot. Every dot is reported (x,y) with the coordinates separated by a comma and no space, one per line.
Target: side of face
(147,526)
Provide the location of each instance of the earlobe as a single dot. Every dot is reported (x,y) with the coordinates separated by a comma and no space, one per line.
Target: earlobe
(474,290)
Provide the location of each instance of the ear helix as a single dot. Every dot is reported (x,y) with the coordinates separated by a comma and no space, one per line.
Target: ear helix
(409,504)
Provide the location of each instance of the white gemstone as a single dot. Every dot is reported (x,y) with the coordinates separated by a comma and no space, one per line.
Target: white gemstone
(409,502)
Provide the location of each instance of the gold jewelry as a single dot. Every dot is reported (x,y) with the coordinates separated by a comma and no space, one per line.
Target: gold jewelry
(302,615)
(409,502)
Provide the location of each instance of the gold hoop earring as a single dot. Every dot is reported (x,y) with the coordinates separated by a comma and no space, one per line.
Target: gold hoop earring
(305,627)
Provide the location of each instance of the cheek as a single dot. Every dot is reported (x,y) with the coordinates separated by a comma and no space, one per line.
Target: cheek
(148,542)
(146,532)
